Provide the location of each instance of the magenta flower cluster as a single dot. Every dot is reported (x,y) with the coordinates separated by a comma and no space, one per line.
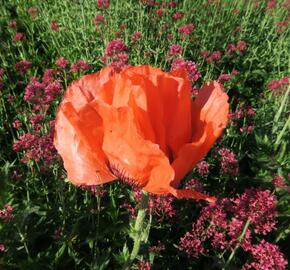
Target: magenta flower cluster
(6,213)
(278,86)
(159,206)
(115,52)
(228,163)
(190,66)
(241,46)
(221,225)
(37,147)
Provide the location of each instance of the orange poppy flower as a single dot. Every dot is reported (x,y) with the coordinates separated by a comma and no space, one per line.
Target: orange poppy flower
(140,126)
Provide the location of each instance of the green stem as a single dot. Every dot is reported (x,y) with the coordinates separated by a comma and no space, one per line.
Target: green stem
(138,229)
(241,237)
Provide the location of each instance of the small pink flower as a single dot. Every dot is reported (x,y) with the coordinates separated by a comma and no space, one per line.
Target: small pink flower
(191,68)
(177,15)
(241,46)
(79,65)
(271,4)
(16,124)
(22,66)
(18,37)
(115,46)
(175,49)
(143,265)
(278,181)
(159,12)
(61,62)
(54,25)
(12,24)
(32,11)
(104,4)
(203,168)
(228,162)
(266,256)
(204,53)
(6,213)
(224,77)
(2,247)
(186,29)
(172,4)
(135,37)
(231,48)
(157,248)
(99,19)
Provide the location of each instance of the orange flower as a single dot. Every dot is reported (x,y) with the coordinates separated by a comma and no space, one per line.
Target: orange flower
(140,126)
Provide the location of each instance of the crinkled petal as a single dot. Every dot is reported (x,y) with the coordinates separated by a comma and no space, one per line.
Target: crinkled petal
(132,158)
(78,139)
(209,118)
(175,88)
(88,87)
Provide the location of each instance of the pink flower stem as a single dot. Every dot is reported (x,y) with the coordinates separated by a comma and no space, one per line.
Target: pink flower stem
(241,237)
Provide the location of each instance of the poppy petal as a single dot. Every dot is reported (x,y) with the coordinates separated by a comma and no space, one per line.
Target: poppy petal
(175,88)
(88,87)
(191,194)
(209,117)
(148,97)
(78,138)
(131,157)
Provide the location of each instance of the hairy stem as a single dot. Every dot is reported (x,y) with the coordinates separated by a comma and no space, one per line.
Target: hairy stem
(138,229)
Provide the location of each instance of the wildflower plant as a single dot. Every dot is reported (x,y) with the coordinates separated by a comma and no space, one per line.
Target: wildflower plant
(48,222)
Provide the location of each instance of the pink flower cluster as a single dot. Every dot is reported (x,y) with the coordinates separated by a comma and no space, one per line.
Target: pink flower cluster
(271,4)
(178,15)
(54,25)
(99,19)
(241,46)
(12,24)
(115,47)
(6,213)
(214,57)
(143,265)
(157,248)
(37,147)
(18,37)
(228,162)
(278,86)
(266,256)
(97,190)
(191,68)
(22,66)
(103,4)
(203,168)
(243,111)
(42,93)
(186,29)
(61,62)
(222,224)
(80,65)
(282,26)
(2,247)
(175,49)
(135,37)
(159,206)
(116,53)
(194,184)
(32,11)
(278,181)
